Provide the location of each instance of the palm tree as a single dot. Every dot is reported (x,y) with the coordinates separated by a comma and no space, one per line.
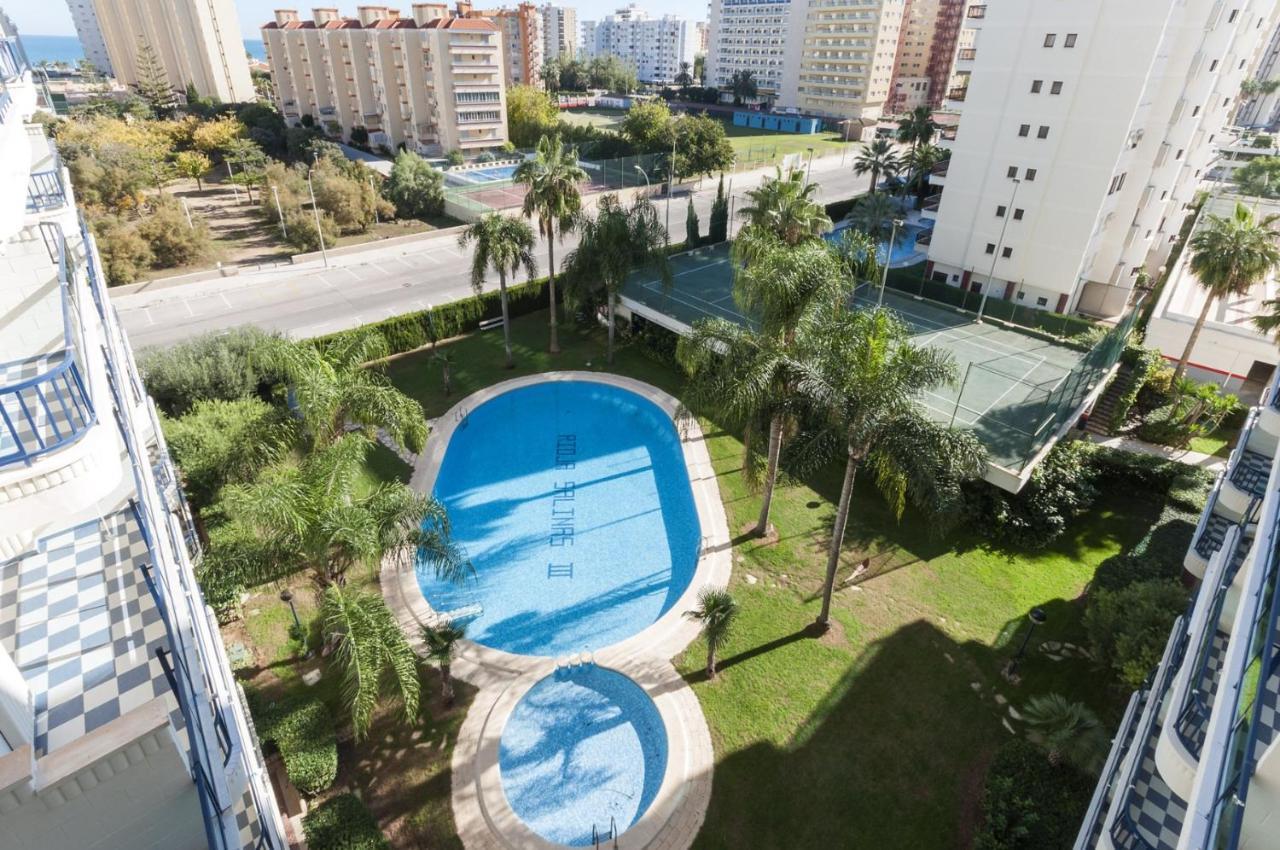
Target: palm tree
(442,644)
(504,245)
(780,209)
(917,128)
(684,79)
(716,612)
(879,160)
(617,241)
(872,215)
(859,254)
(552,196)
(446,361)
(1068,730)
(316,514)
(919,164)
(864,376)
(1229,255)
(743,85)
(334,389)
(370,651)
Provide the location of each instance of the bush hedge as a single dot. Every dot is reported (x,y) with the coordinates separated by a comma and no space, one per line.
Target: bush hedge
(343,823)
(211,366)
(303,731)
(1060,489)
(1029,803)
(1129,628)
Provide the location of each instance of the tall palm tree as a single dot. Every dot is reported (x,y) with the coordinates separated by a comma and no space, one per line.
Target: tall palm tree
(859,254)
(442,645)
(917,128)
(879,160)
(370,652)
(716,612)
(334,389)
(504,245)
(684,79)
(552,177)
(1069,731)
(919,165)
(873,214)
(1229,255)
(617,241)
(864,376)
(317,515)
(779,209)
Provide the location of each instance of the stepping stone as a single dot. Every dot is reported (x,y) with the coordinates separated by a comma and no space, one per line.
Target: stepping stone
(977,686)
(239,655)
(947,655)
(1008,727)
(1013,712)
(857,588)
(1051,646)
(751,579)
(311,677)
(1000,700)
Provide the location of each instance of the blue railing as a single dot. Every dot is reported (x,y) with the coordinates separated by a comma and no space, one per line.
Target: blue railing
(13,60)
(51,409)
(1092,825)
(45,189)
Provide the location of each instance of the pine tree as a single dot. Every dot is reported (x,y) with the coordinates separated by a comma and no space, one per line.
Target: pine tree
(718,227)
(153,84)
(691,236)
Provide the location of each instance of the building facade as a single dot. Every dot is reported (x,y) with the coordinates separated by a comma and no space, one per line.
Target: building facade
(1263,110)
(431,83)
(655,47)
(1084,130)
(196,43)
(843,65)
(926,54)
(121,726)
(1196,760)
(522,40)
(85,17)
(559,32)
(750,36)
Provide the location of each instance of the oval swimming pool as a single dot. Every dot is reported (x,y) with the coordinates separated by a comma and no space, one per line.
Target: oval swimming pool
(573,501)
(584,748)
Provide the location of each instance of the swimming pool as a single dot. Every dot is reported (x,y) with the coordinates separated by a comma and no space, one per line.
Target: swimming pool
(582,746)
(904,244)
(482,175)
(573,502)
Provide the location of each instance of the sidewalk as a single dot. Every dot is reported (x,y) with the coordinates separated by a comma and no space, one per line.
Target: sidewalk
(1132,444)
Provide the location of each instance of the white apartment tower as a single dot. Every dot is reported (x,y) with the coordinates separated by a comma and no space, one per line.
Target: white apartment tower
(749,35)
(1084,130)
(121,726)
(85,18)
(841,57)
(197,43)
(559,32)
(431,83)
(655,47)
(1263,111)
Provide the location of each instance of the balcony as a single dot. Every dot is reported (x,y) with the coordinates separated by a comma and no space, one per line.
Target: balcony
(976,13)
(966,54)
(938,174)
(45,189)
(929,210)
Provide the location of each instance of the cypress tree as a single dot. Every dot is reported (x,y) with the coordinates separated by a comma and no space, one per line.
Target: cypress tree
(718,227)
(691,236)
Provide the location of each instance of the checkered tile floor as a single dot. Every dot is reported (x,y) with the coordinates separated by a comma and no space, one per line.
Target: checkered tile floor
(77,618)
(1215,531)
(1193,723)
(1155,814)
(247,821)
(1251,472)
(43,413)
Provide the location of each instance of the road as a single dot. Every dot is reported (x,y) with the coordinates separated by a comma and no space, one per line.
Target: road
(310,300)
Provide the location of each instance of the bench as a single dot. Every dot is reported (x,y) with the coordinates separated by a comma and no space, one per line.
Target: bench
(490,324)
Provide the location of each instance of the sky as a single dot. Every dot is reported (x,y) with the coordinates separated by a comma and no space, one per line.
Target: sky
(52,17)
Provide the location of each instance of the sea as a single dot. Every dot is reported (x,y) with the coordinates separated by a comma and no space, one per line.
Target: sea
(65,49)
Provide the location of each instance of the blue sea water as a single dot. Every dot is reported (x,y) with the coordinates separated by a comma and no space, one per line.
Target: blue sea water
(573,502)
(66,49)
(582,746)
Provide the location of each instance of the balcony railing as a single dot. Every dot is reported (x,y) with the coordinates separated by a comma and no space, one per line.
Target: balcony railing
(966,54)
(931,203)
(958,94)
(45,189)
(13,60)
(1092,825)
(976,12)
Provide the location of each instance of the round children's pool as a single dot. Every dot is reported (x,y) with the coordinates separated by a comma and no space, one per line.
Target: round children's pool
(573,502)
(584,748)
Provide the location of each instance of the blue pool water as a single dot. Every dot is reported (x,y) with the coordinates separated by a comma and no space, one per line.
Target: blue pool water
(486,175)
(580,747)
(573,502)
(904,244)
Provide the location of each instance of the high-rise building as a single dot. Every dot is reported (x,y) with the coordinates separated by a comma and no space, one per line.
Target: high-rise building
(195,42)
(85,18)
(1262,111)
(841,56)
(121,726)
(750,36)
(559,32)
(433,82)
(926,54)
(1196,761)
(1084,130)
(700,38)
(523,49)
(655,47)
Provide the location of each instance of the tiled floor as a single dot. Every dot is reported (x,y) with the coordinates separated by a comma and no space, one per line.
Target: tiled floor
(1251,472)
(79,621)
(1210,540)
(1154,810)
(1193,724)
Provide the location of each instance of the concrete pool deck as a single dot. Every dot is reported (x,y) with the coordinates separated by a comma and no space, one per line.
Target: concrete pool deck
(483,816)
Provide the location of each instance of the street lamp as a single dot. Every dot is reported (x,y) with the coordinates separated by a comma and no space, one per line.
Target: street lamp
(848,125)
(809,168)
(995,255)
(671,181)
(315,209)
(1037,618)
(884,273)
(645,175)
(284,231)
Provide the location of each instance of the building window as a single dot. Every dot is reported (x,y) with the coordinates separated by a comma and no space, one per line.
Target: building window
(1231,19)
(1049,39)
(1213,66)
(1181,151)
(1024,130)
(991,247)
(1031,175)
(1056,88)
(1195,112)
(1036,86)
(1042,302)
(1017,214)
(1012,173)
(1070,40)
(1007,253)
(1043,132)
(1000,210)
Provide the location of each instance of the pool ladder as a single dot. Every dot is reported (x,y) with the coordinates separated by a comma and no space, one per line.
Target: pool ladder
(611,835)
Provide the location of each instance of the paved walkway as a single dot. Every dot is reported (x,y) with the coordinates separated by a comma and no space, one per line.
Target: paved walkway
(1213,463)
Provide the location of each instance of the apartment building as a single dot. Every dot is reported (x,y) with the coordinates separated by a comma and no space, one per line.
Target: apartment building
(700,37)
(1196,761)
(926,54)
(430,83)
(85,17)
(559,32)
(655,47)
(522,40)
(121,726)
(749,35)
(197,43)
(1084,129)
(1263,111)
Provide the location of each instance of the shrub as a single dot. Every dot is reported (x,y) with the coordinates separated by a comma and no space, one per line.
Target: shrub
(415,187)
(455,157)
(173,241)
(222,591)
(226,441)
(220,366)
(1146,363)
(1120,571)
(1029,803)
(343,823)
(125,254)
(1060,489)
(303,731)
(1128,628)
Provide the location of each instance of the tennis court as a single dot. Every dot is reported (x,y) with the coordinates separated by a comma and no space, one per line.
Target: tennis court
(1016,389)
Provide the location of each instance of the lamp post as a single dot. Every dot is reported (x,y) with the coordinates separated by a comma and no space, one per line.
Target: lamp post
(995,255)
(848,125)
(884,273)
(645,175)
(315,209)
(286,596)
(671,182)
(1037,618)
(376,220)
(284,231)
(808,168)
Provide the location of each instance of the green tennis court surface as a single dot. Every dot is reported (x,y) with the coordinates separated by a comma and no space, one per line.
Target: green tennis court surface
(1015,390)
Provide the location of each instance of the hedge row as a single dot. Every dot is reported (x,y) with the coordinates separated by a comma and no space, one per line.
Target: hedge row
(1028,802)
(303,731)
(343,823)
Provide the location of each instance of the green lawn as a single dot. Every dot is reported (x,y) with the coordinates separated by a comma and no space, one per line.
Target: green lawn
(881,729)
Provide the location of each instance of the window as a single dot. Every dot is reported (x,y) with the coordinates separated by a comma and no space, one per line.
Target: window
(991,247)
(1036,86)
(1017,214)
(1024,130)
(1021,295)
(1049,39)
(1012,173)
(1070,40)
(1213,66)
(1031,175)
(1043,132)
(1007,253)
(1231,19)
(1056,88)
(1195,112)
(1000,211)
(1042,302)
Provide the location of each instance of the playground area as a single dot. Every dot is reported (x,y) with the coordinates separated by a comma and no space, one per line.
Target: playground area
(1016,389)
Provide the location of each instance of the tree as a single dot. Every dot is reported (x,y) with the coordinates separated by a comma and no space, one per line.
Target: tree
(552,196)
(684,78)
(1128,628)
(1259,178)
(193,165)
(691,236)
(153,84)
(217,136)
(919,165)
(743,85)
(531,114)
(917,128)
(247,161)
(504,245)
(700,69)
(223,442)
(613,244)
(718,224)
(173,241)
(780,209)
(873,215)
(864,376)
(860,254)
(1229,255)
(879,160)
(648,125)
(370,652)
(702,147)
(415,187)
(442,645)
(1068,730)
(716,612)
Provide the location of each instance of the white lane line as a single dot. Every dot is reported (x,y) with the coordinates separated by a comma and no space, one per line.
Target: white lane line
(1021,382)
